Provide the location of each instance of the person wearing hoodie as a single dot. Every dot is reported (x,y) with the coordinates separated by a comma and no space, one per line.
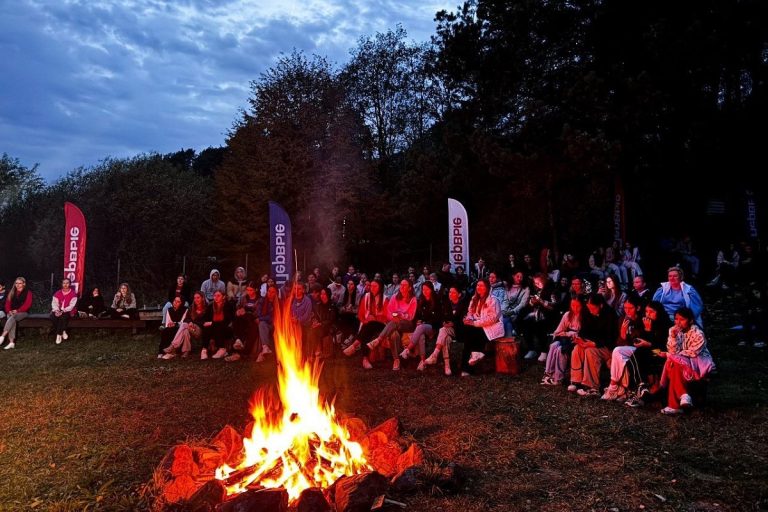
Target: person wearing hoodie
(676,293)
(236,287)
(212,285)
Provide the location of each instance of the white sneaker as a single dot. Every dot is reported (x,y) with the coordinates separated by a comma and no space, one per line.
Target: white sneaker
(261,358)
(204,354)
(669,411)
(465,374)
(58,339)
(448,368)
(405,354)
(759,344)
(686,401)
(367,364)
(543,357)
(431,359)
(266,350)
(421,366)
(9,346)
(169,356)
(475,357)
(572,388)
(2,339)
(238,345)
(220,353)
(531,354)
(160,356)
(64,335)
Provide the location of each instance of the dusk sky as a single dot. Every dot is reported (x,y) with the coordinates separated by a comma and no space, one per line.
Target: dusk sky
(85,80)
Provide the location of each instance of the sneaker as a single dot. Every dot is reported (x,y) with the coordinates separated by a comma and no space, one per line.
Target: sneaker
(125,316)
(759,344)
(643,391)
(431,359)
(64,335)
(465,374)
(233,357)
(204,354)
(367,364)
(475,357)
(2,339)
(238,345)
(572,388)
(9,346)
(266,350)
(396,365)
(669,411)
(686,401)
(531,354)
(261,358)
(547,381)
(168,356)
(448,368)
(611,393)
(543,357)
(634,402)
(405,354)
(58,339)
(588,393)
(421,366)
(373,344)
(220,353)
(160,356)
(350,350)
(742,343)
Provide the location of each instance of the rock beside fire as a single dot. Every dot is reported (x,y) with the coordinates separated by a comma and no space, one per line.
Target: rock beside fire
(207,497)
(312,500)
(262,500)
(356,493)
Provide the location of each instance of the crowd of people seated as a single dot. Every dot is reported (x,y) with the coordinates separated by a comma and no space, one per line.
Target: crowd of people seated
(581,323)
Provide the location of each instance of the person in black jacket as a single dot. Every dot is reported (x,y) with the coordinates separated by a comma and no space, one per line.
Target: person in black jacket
(429,318)
(454,311)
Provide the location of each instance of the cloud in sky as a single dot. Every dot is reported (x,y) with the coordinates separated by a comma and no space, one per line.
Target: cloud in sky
(83,80)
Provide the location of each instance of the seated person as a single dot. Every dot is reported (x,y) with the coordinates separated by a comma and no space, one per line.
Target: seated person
(92,305)
(124,304)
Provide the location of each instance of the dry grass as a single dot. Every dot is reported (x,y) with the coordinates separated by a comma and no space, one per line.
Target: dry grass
(84,425)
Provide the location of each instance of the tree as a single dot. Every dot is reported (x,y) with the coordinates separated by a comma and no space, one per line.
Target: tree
(16,181)
(299,144)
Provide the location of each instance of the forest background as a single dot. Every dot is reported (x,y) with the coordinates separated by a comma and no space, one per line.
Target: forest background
(531,113)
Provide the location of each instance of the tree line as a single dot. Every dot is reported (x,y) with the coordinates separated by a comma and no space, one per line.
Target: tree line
(529,112)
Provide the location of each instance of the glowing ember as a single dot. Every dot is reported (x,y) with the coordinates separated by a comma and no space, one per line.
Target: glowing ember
(295,443)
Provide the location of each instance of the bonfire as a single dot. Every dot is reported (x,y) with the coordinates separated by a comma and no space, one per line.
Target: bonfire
(295,443)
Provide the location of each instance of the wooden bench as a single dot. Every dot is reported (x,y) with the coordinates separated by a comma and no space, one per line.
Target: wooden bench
(42,322)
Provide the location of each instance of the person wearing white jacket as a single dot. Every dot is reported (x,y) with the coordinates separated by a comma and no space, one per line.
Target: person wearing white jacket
(483,324)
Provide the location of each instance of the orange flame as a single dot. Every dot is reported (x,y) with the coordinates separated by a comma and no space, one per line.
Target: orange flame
(297,443)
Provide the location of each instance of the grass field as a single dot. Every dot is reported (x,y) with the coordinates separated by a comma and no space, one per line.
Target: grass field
(83,425)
